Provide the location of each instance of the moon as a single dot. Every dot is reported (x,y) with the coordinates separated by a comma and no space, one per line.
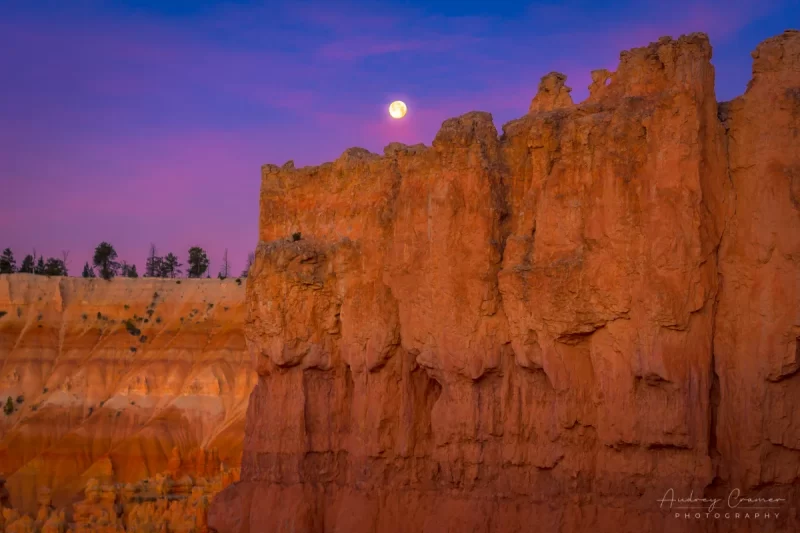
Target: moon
(398,109)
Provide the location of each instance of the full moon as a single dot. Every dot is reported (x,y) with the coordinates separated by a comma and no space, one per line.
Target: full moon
(398,109)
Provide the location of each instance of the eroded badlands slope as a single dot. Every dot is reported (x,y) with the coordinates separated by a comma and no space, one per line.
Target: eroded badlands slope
(543,330)
(114,376)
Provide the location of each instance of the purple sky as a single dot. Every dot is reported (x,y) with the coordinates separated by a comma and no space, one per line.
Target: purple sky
(148,121)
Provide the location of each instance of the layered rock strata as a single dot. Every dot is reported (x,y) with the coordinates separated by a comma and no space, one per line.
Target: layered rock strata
(544,330)
(118,381)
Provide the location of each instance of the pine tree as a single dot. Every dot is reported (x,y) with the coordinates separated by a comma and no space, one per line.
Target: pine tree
(7,263)
(9,407)
(87,271)
(153,265)
(128,271)
(104,256)
(170,267)
(39,269)
(27,264)
(54,267)
(198,262)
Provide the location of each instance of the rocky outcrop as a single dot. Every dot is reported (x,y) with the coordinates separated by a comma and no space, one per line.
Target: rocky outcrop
(553,329)
(553,94)
(118,381)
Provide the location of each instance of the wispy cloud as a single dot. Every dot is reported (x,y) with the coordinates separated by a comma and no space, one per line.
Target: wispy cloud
(360,47)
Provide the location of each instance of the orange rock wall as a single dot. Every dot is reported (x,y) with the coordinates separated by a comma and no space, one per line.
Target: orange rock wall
(757,335)
(543,330)
(114,376)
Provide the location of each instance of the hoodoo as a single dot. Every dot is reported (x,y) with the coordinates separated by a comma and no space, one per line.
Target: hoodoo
(554,329)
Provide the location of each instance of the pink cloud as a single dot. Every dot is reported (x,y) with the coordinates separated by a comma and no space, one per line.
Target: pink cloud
(358,47)
(342,19)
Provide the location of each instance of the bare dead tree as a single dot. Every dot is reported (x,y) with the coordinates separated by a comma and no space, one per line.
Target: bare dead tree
(251,257)
(153,264)
(65,259)
(225,269)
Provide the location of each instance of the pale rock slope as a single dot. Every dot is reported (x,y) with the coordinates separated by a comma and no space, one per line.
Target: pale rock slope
(119,380)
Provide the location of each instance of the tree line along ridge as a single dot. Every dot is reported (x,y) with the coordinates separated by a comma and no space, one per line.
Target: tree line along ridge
(105,264)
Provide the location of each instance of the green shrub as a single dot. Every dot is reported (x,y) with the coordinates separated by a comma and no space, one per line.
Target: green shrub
(133,349)
(132,329)
(3,313)
(9,407)
(143,339)
(296,236)
(20,399)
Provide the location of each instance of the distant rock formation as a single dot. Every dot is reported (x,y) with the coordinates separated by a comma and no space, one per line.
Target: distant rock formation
(547,330)
(159,504)
(552,95)
(118,380)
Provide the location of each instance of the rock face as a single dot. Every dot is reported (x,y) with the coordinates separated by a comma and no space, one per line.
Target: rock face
(118,381)
(546,330)
(757,335)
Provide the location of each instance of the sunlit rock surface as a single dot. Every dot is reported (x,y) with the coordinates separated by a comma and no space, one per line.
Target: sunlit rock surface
(544,330)
(118,381)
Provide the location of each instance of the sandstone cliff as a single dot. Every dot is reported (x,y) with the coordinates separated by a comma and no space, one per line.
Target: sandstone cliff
(543,330)
(118,381)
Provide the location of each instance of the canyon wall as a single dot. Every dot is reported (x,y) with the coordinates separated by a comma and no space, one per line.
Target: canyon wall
(118,381)
(544,330)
